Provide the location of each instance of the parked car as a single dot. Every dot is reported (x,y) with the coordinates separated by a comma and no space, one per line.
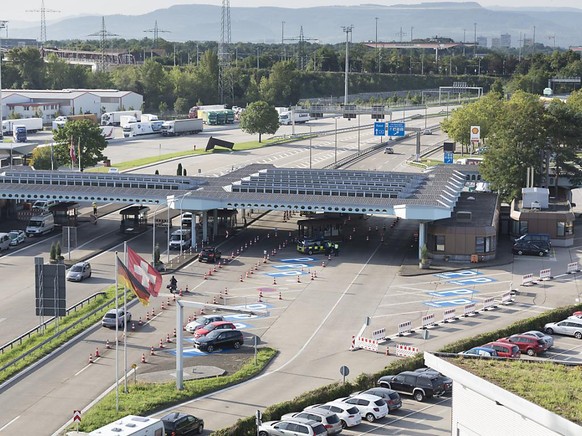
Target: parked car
(110,317)
(541,335)
(531,345)
(538,248)
(371,407)
(571,327)
(330,420)
(217,325)
(577,314)
(391,397)
(427,132)
(420,385)
(209,254)
(220,339)
(17,237)
(178,424)
(447,382)
(480,351)
(349,415)
(201,321)
(79,271)
(291,428)
(504,349)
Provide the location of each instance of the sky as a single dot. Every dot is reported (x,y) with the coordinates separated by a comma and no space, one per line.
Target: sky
(17,11)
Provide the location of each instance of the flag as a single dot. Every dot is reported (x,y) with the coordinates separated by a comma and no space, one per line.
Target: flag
(72,152)
(130,282)
(144,273)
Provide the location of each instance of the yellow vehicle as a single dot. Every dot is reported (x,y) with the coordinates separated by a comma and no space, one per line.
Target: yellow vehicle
(310,246)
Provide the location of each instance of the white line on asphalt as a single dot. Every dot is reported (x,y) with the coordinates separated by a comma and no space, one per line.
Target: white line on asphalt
(6,426)
(2,319)
(87,366)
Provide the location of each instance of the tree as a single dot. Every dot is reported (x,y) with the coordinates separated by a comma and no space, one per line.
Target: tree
(42,159)
(79,143)
(259,118)
(181,106)
(179,170)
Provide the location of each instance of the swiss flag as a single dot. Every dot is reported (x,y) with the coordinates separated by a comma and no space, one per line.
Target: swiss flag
(146,274)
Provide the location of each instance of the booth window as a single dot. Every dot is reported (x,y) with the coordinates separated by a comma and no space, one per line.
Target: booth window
(440,242)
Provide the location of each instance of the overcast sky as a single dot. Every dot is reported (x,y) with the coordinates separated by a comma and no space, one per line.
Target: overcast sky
(17,11)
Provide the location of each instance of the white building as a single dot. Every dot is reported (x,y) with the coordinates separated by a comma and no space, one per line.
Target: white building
(481,408)
(48,104)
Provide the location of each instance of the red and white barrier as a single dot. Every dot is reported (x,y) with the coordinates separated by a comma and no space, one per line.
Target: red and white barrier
(379,335)
(469,309)
(404,327)
(353,344)
(449,315)
(367,344)
(405,350)
(546,274)
(506,298)
(428,320)
(489,303)
(573,268)
(527,280)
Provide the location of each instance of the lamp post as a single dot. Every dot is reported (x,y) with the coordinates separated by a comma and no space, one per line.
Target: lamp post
(377,48)
(154,236)
(335,160)
(2,26)
(182,233)
(347,30)
(310,146)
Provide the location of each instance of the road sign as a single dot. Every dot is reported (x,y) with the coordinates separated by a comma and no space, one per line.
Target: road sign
(449,157)
(396,129)
(379,129)
(344,370)
(76,416)
(475,133)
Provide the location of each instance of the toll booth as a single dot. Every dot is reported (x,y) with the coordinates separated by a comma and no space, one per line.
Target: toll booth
(65,213)
(321,227)
(134,219)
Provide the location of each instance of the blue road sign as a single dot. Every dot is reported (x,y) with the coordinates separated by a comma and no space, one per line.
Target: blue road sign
(448,159)
(396,129)
(379,129)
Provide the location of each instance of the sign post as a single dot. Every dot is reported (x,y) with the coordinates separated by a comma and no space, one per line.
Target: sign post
(379,128)
(77,418)
(344,371)
(396,129)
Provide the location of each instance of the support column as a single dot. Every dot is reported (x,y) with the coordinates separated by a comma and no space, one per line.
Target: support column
(204,225)
(417,157)
(214,224)
(421,237)
(179,346)
(194,231)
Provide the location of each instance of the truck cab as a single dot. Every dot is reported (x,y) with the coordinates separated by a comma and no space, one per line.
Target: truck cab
(19,133)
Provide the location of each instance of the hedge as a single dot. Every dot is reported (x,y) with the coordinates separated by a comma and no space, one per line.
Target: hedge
(247,426)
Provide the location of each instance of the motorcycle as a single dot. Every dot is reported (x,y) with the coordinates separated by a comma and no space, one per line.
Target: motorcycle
(172,287)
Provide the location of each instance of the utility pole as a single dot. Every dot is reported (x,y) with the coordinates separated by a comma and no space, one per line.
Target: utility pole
(3,25)
(43,12)
(377,48)
(156,31)
(411,30)
(284,54)
(475,39)
(103,34)
(348,31)
(533,45)
(464,40)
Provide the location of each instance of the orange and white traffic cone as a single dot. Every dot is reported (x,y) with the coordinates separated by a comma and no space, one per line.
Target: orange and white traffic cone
(148,315)
(163,306)
(132,326)
(143,359)
(168,340)
(97,352)
(153,313)
(210,272)
(298,279)
(225,291)
(161,344)
(312,278)
(323,264)
(315,274)
(174,332)
(181,294)
(169,302)
(247,275)
(90,358)
(213,300)
(107,344)
(260,300)
(152,352)
(205,277)
(140,322)
(280,296)
(174,296)
(241,278)
(274,281)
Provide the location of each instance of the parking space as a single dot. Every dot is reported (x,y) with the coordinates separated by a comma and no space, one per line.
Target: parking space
(565,349)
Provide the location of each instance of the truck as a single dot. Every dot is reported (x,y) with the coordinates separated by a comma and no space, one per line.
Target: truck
(114,118)
(132,425)
(19,133)
(292,117)
(149,117)
(32,125)
(142,128)
(182,127)
(63,119)
(194,110)
(40,224)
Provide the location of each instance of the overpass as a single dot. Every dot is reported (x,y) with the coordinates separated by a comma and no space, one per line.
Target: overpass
(425,196)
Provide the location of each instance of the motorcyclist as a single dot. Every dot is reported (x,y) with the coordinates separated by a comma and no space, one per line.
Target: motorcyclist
(173,284)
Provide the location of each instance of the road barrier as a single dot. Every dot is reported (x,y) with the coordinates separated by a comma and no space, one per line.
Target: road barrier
(405,327)
(489,303)
(379,334)
(573,268)
(506,298)
(367,344)
(427,320)
(527,280)
(469,309)
(449,315)
(546,274)
(405,350)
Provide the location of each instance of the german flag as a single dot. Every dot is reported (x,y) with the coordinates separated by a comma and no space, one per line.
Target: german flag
(130,282)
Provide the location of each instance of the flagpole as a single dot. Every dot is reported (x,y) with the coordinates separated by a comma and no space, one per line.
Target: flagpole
(116,334)
(125,325)
(79,152)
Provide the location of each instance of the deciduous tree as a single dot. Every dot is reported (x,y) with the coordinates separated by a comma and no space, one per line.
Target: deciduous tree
(259,117)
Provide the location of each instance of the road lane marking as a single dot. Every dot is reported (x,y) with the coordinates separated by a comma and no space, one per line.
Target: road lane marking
(6,426)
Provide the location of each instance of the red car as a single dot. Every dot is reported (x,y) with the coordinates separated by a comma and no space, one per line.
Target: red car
(504,349)
(527,344)
(217,325)
(577,314)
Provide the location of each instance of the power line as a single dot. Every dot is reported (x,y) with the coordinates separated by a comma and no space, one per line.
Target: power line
(103,34)
(301,52)
(225,82)
(43,12)
(156,31)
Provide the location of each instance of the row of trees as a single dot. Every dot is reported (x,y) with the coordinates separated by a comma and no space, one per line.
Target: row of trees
(523,132)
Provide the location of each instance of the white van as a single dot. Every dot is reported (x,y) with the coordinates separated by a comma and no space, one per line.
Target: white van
(132,425)
(4,241)
(40,224)
(181,237)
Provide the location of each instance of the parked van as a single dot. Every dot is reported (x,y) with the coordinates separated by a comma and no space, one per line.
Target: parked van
(40,224)
(132,425)
(4,241)
(181,237)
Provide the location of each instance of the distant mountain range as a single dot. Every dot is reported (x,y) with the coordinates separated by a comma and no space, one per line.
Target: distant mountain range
(395,23)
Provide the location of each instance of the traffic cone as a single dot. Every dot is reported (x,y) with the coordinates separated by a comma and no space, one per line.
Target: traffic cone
(213,300)
(232,255)
(367,237)
(97,352)
(143,360)
(132,326)
(148,315)
(252,271)
(225,291)
(189,319)
(274,281)
(298,279)
(169,302)
(181,294)
(219,264)
(260,300)
(202,311)
(241,278)
(161,344)
(163,307)
(280,296)
(323,264)
(174,296)
(205,277)
(315,274)
(329,257)
(90,358)
(174,332)
(152,352)
(107,344)
(140,322)
(210,272)
(168,340)
(247,275)
(153,313)
(312,278)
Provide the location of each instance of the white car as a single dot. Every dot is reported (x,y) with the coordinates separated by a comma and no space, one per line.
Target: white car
(370,406)
(571,327)
(299,426)
(348,414)
(16,237)
(201,321)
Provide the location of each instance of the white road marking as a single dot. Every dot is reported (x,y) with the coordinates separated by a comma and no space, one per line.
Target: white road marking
(6,426)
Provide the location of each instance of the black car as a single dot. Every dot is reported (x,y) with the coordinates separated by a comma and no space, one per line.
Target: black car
(209,254)
(538,248)
(178,424)
(447,382)
(220,339)
(420,385)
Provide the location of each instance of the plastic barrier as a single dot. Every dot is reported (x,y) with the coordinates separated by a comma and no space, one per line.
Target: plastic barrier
(469,309)
(427,320)
(506,298)
(367,344)
(573,268)
(353,344)
(449,315)
(489,303)
(379,334)
(546,274)
(405,350)
(527,280)
(404,327)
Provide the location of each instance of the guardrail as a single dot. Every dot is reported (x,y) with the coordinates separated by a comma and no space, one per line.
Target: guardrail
(40,327)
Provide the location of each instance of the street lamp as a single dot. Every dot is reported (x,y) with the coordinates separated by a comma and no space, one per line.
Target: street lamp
(335,160)
(154,236)
(310,146)
(2,26)
(347,30)
(182,233)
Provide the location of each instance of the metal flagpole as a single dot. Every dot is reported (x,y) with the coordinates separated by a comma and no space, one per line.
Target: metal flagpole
(79,152)
(116,333)
(125,325)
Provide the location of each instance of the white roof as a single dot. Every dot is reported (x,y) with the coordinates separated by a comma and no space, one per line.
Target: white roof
(49,94)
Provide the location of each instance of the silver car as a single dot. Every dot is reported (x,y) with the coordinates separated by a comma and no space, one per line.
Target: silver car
(16,237)
(540,335)
(292,428)
(570,327)
(109,319)
(79,271)
(329,419)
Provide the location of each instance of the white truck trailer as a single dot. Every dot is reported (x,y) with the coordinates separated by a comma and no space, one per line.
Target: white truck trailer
(32,125)
(142,128)
(114,118)
(182,127)
(132,425)
(292,117)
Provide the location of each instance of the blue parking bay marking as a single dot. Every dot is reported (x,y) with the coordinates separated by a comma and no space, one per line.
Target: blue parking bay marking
(451,293)
(472,281)
(298,259)
(189,352)
(439,304)
(458,274)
